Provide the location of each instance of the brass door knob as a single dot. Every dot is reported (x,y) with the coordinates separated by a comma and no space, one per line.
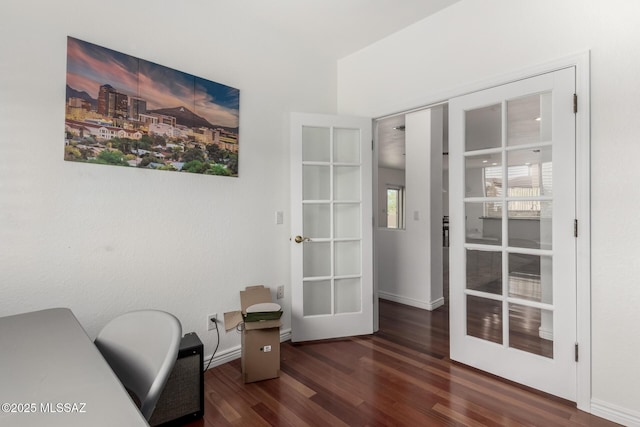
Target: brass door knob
(300,239)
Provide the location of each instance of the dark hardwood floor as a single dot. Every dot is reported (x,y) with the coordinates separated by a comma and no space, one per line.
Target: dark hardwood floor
(400,376)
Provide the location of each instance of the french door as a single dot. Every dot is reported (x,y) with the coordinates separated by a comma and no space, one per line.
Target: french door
(512,213)
(331,227)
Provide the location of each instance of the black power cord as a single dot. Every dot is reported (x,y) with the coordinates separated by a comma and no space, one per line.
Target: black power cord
(217,344)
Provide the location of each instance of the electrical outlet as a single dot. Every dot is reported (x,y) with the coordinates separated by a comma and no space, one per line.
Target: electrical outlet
(211,321)
(280,292)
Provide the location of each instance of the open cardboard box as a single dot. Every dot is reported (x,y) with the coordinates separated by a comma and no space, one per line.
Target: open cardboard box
(260,339)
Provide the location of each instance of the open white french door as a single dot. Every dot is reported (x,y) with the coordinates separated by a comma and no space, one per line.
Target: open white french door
(513,250)
(331,227)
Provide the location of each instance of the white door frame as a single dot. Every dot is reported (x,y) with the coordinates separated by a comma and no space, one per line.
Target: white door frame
(581,62)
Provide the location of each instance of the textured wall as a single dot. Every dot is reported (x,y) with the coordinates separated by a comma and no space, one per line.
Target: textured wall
(103,240)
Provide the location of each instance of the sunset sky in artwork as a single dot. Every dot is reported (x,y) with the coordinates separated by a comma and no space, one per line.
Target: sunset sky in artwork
(90,66)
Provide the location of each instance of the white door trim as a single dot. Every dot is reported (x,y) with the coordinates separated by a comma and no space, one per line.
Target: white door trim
(581,62)
(583,214)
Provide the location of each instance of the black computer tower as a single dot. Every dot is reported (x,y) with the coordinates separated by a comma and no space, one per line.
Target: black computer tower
(182,399)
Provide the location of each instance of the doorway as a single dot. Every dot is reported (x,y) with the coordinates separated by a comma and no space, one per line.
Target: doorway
(524,255)
(411,185)
(409,157)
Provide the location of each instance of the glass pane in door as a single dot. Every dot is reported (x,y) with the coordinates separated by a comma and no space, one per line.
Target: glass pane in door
(315,144)
(484,271)
(531,277)
(348,295)
(484,319)
(483,128)
(530,224)
(347,258)
(346,145)
(346,184)
(483,175)
(316,297)
(530,172)
(483,222)
(347,220)
(529,119)
(316,220)
(316,182)
(316,259)
(531,329)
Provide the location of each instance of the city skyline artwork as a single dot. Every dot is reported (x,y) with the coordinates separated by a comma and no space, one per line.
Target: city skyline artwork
(124,111)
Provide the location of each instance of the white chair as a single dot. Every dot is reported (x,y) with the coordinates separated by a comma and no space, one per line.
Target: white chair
(141,347)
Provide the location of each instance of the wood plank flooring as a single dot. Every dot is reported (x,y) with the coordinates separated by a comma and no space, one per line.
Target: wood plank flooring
(400,376)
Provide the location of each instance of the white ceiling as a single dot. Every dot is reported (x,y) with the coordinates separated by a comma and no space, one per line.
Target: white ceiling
(390,134)
(337,28)
(391,142)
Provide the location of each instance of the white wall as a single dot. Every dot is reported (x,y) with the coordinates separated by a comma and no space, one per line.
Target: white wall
(103,240)
(409,261)
(476,40)
(434,197)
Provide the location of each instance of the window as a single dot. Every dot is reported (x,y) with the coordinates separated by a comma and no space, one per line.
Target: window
(395,207)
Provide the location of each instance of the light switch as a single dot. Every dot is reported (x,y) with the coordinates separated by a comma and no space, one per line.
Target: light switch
(279,217)
(416,215)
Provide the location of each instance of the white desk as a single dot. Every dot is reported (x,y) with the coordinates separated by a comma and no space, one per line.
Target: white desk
(50,367)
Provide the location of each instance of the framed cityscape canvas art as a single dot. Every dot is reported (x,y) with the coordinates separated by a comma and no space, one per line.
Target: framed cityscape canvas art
(125,111)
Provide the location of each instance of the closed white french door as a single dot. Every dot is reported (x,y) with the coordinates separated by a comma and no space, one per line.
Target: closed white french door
(513,250)
(331,227)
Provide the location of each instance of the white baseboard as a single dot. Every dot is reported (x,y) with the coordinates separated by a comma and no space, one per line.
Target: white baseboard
(615,413)
(412,302)
(437,303)
(285,335)
(235,352)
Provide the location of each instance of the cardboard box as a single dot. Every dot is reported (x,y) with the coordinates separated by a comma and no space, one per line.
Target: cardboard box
(260,338)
